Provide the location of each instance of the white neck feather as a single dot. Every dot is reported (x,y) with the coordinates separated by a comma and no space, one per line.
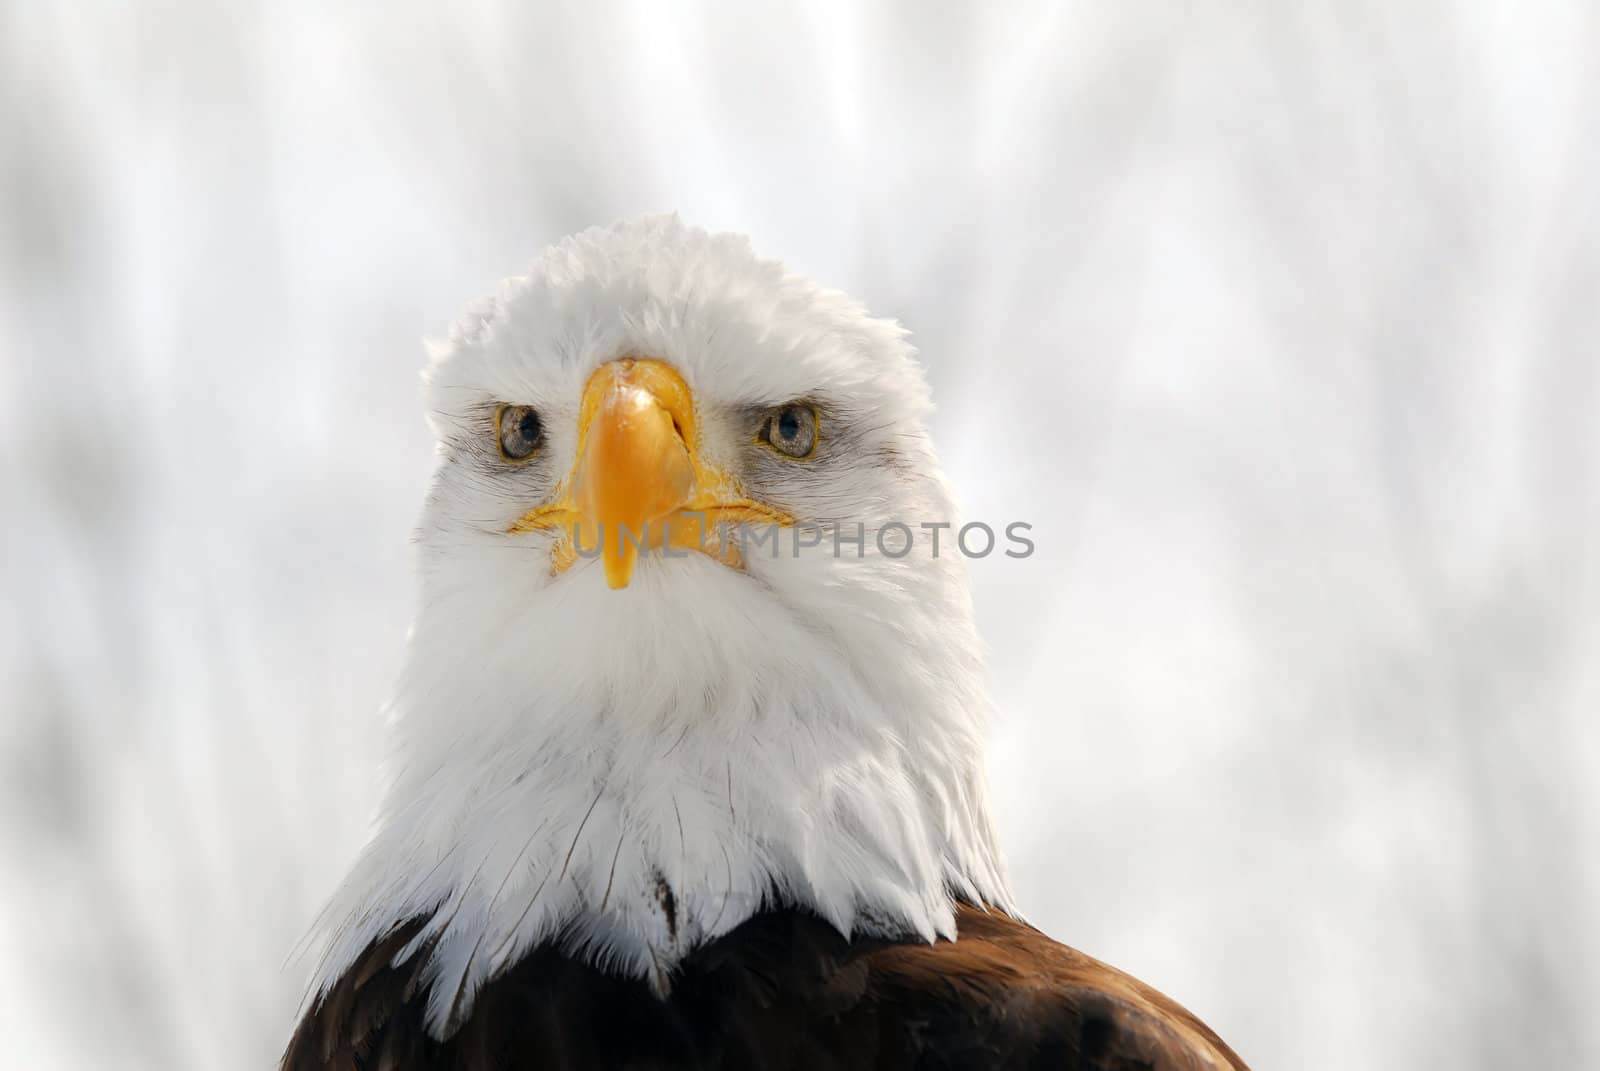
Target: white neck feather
(752,763)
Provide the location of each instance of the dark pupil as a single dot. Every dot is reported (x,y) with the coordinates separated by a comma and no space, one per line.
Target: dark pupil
(528,427)
(789,424)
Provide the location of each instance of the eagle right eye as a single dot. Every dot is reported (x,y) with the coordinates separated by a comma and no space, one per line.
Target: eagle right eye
(521,432)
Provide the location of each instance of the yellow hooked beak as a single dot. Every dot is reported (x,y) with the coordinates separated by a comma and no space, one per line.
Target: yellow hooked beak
(639,480)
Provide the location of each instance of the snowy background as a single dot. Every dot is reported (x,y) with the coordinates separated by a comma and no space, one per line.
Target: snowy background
(1279,321)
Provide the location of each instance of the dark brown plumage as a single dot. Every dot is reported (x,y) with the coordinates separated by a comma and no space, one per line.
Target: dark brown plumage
(782,991)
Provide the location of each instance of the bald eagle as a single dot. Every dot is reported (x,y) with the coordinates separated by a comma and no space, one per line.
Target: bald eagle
(687,759)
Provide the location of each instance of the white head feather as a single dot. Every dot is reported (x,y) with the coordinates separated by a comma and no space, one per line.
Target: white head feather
(632,773)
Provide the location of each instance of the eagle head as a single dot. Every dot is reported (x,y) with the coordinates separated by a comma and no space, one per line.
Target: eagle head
(687,641)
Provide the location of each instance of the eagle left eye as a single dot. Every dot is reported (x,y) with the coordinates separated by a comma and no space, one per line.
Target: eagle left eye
(521,432)
(791,430)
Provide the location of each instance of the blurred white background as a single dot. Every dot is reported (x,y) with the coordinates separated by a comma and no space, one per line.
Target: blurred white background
(1279,321)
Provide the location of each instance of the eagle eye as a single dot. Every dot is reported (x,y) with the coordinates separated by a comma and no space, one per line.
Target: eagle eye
(791,430)
(520,430)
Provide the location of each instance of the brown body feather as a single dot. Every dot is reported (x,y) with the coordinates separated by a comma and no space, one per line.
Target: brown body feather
(782,991)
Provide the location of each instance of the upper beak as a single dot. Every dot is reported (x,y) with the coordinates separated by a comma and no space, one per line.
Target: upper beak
(634,467)
(639,480)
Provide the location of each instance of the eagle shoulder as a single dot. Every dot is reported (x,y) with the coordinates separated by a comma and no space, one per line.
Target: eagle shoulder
(1009,996)
(784,990)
